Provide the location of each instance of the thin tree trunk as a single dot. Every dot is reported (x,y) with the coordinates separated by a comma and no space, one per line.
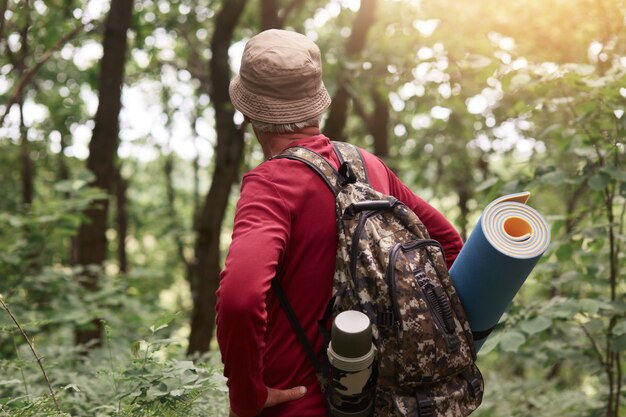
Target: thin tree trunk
(28,187)
(228,155)
(196,171)
(92,241)
(168,169)
(196,188)
(464,197)
(63,173)
(19,62)
(121,188)
(338,115)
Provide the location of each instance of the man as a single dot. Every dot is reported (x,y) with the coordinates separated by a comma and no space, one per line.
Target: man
(285,226)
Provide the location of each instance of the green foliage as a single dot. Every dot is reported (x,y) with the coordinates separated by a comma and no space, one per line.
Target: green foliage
(138,380)
(123,378)
(484,98)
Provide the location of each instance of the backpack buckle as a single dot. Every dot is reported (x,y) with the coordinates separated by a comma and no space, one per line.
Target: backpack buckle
(385,318)
(347,174)
(473,384)
(425,407)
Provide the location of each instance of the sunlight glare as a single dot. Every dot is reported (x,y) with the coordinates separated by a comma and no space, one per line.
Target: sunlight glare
(441,113)
(426,27)
(353,5)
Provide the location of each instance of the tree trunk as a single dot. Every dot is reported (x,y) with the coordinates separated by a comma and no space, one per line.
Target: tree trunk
(338,115)
(92,242)
(273,16)
(376,123)
(464,197)
(380,128)
(269,15)
(19,62)
(28,187)
(121,187)
(228,155)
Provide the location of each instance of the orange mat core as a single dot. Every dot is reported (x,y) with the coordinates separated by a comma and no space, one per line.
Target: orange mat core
(517,228)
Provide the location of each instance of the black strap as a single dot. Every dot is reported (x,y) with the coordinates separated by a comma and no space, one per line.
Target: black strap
(295,324)
(321,323)
(482,334)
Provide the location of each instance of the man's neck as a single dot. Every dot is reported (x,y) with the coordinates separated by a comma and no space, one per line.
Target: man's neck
(274,143)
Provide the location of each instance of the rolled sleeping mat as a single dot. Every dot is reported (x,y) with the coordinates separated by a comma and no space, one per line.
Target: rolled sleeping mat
(500,253)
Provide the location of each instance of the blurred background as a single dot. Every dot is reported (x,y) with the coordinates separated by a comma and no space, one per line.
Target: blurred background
(121,155)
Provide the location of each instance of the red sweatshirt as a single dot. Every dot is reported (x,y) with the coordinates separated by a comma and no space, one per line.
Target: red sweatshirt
(285,224)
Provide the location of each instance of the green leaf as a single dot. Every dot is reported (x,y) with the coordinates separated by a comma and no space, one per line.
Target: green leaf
(594,326)
(163,322)
(489,345)
(564,252)
(135,347)
(554,178)
(561,308)
(599,181)
(591,306)
(616,174)
(158,390)
(620,328)
(536,325)
(511,341)
(487,184)
(618,343)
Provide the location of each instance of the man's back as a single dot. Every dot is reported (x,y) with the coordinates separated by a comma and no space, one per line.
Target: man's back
(285,225)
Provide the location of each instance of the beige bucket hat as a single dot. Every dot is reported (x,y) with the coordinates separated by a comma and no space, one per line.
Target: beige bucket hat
(280,80)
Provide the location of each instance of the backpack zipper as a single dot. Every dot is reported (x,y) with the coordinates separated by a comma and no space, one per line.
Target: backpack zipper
(392,289)
(354,248)
(391,276)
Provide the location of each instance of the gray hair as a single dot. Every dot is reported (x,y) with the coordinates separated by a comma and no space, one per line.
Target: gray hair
(285,128)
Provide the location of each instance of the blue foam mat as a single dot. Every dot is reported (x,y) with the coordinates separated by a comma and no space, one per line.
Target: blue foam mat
(499,255)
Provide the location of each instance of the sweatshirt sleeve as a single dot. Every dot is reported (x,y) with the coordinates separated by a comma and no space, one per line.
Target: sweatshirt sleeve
(439,228)
(260,233)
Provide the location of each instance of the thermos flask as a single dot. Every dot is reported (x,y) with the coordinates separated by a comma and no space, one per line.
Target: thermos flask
(351,356)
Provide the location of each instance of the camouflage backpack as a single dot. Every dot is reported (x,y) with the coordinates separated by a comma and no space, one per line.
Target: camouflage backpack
(388,268)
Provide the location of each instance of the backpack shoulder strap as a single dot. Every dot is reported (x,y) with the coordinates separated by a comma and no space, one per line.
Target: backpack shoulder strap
(348,152)
(316,162)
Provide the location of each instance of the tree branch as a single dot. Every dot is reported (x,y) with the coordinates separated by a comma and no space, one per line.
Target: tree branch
(338,113)
(360,110)
(284,13)
(32,349)
(596,348)
(27,77)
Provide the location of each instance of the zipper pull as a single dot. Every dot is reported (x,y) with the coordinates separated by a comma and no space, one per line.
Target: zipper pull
(398,329)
